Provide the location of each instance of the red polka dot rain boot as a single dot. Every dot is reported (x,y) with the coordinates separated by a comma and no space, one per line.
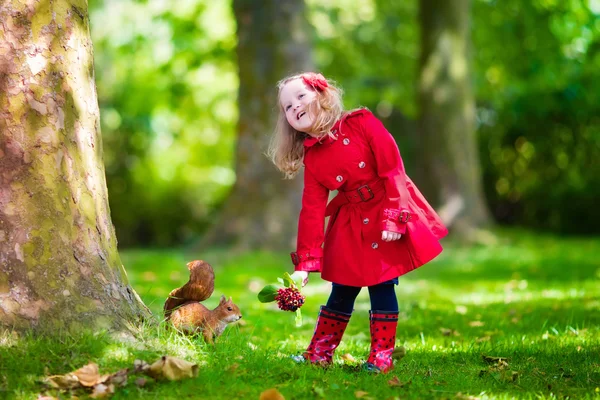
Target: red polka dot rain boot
(328,334)
(383,339)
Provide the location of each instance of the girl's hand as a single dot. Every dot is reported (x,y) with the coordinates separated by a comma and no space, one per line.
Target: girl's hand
(388,236)
(301,274)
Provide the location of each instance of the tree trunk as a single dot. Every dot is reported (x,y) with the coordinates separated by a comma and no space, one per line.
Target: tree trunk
(450,173)
(60,269)
(262,209)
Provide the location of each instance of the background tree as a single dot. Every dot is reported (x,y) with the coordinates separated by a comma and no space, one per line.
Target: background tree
(60,268)
(447,140)
(262,209)
(168,82)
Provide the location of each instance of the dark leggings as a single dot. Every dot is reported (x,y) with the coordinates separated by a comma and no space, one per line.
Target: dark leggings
(383,297)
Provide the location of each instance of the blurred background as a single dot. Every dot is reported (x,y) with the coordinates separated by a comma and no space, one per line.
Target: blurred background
(187,96)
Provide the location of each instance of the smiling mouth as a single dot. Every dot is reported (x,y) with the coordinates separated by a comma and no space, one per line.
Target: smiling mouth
(300,115)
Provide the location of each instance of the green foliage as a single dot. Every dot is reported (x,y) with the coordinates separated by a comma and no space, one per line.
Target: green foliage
(268,293)
(167,88)
(536,72)
(539,106)
(531,299)
(371,48)
(167,85)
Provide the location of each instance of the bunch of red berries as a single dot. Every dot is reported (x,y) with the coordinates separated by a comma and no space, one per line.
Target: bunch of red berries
(289,299)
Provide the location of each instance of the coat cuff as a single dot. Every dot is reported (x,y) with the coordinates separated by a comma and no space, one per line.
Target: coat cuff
(313,265)
(308,260)
(395,220)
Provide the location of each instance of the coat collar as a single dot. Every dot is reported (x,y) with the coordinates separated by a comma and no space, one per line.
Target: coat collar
(311,141)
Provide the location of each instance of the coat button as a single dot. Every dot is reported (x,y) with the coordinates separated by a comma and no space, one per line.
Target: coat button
(346,141)
(334,131)
(366,221)
(339,178)
(374,245)
(361,164)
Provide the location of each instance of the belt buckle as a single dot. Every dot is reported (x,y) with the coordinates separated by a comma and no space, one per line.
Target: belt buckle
(405,216)
(369,191)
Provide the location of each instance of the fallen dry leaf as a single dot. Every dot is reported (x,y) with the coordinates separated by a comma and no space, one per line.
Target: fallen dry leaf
(140,366)
(172,368)
(360,394)
(101,390)
(476,323)
(449,332)
(119,378)
(514,376)
(67,381)
(399,353)
(89,375)
(348,357)
(395,382)
(40,397)
(492,359)
(271,394)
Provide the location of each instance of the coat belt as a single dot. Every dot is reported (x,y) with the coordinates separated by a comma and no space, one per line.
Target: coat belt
(358,195)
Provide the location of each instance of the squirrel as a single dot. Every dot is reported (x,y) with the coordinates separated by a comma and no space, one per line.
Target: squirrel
(185,312)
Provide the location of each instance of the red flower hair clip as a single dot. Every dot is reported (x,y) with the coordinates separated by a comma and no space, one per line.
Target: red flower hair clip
(317,81)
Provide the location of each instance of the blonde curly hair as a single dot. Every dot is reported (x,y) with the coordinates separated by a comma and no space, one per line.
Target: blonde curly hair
(286,149)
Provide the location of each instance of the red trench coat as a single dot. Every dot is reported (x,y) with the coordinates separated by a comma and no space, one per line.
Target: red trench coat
(350,251)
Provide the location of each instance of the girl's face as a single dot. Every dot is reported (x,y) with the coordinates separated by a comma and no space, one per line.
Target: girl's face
(295,98)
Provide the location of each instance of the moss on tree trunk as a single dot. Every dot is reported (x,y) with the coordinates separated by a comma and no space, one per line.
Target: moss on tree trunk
(59,265)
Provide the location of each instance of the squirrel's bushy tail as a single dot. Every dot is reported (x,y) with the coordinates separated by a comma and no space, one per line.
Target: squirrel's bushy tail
(200,287)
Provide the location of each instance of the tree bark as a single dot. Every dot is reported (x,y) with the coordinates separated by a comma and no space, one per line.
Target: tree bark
(59,265)
(450,173)
(262,209)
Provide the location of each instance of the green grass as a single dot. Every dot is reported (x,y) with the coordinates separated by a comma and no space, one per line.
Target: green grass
(531,298)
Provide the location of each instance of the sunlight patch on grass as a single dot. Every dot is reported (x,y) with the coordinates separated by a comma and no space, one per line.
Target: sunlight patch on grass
(115,352)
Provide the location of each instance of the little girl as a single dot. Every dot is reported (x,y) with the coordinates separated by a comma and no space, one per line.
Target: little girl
(380,225)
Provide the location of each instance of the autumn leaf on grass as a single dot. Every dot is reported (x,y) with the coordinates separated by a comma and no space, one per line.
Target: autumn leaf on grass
(87,376)
(449,332)
(399,353)
(172,368)
(491,359)
(348,358)
(101,390)
(140,366)
(119,378)
(476,324)
(395,382)
(271,394)
(67,381)
(360,394)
